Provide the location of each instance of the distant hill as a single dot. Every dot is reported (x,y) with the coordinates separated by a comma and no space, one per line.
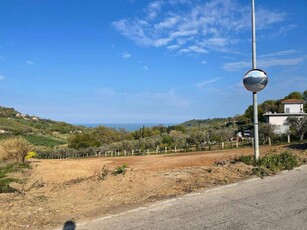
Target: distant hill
(38,131)
(245,121)
(205,122)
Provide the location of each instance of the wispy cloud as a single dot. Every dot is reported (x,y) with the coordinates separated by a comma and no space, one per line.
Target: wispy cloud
(186,28)
(263,63)
(145,67)
(29,62)
(279,53)
(281,32)
(126,55)
(153,9)
(1,77)
(204,62)
(268,60)
(206,83)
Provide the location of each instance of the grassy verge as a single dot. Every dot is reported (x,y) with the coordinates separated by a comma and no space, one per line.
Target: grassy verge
(5,180)
(271,164)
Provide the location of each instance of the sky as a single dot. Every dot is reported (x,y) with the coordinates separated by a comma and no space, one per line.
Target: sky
(137,61)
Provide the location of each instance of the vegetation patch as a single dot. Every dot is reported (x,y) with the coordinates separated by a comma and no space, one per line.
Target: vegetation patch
(120,170)
(271,164)
(5,180)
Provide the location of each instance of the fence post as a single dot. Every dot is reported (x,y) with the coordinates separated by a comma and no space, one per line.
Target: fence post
(175,149)
(223,145)
(132,152)
(157,150)
(270,143)
(165,149)
(237,144)
(289,140)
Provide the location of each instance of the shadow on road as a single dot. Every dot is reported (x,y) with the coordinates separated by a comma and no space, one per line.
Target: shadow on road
(69,225)
(297,146)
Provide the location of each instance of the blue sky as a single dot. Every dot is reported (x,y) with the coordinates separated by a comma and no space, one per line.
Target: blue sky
(146,61)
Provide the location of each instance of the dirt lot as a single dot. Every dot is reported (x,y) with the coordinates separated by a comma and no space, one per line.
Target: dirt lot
(60,190)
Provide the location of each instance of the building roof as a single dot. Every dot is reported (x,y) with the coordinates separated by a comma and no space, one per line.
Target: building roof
(293,101)
(285,114)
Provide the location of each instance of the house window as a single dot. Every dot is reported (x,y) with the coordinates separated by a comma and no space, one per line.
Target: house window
(287,110)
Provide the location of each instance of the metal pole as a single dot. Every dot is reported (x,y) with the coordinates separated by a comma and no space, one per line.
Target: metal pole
(255,104)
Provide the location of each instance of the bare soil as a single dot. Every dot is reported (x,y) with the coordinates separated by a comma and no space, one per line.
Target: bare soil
(56,191)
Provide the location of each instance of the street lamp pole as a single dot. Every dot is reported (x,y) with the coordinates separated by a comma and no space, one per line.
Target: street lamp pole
(255,104)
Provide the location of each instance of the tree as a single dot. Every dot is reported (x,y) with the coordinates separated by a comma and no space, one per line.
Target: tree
(294,95)
(15,148)
(178,137)
(266,130)
(83,140)
(297,126)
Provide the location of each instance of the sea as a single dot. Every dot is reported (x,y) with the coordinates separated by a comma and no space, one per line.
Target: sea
(127,126)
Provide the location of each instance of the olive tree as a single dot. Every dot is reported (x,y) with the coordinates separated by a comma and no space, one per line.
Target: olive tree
(297,126)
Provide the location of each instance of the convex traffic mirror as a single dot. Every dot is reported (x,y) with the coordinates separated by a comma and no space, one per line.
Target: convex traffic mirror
(255,80)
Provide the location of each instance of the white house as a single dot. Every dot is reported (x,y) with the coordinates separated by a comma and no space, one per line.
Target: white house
(292,107)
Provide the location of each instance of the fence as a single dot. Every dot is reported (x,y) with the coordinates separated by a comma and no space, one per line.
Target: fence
(97,152)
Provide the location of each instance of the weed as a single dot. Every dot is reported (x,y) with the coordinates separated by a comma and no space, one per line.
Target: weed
(248,160)
(271,164)
(103,173)
(5,181)
(120,170)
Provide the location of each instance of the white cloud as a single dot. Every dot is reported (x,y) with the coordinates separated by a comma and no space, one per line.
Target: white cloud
(279,53)
(263,63)
(173,47)
(1,77)
(153,9)
(205,83)
(29,62)
(145,67)
(204,62)
(199,27)
(126,55)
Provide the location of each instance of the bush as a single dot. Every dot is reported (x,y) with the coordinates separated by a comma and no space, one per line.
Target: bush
(248,160)
(31,155)
(271,164)
(120,170)
(15,148)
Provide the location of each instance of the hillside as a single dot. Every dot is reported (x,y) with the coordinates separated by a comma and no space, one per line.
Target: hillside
(205,122)
(36,130)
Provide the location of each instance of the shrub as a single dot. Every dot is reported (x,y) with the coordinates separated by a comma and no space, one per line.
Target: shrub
(120,170)
(271,164)
(15,148)
(31,155)
(248,160)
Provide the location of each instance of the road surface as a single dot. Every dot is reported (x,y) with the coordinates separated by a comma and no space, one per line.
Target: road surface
(278,202)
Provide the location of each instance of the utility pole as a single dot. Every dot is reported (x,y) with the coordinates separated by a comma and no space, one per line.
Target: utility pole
(255,80)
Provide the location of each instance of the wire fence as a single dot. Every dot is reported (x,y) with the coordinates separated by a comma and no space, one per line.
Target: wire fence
(102,152)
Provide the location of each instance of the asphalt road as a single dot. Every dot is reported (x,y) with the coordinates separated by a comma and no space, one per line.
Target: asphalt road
(278,202)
